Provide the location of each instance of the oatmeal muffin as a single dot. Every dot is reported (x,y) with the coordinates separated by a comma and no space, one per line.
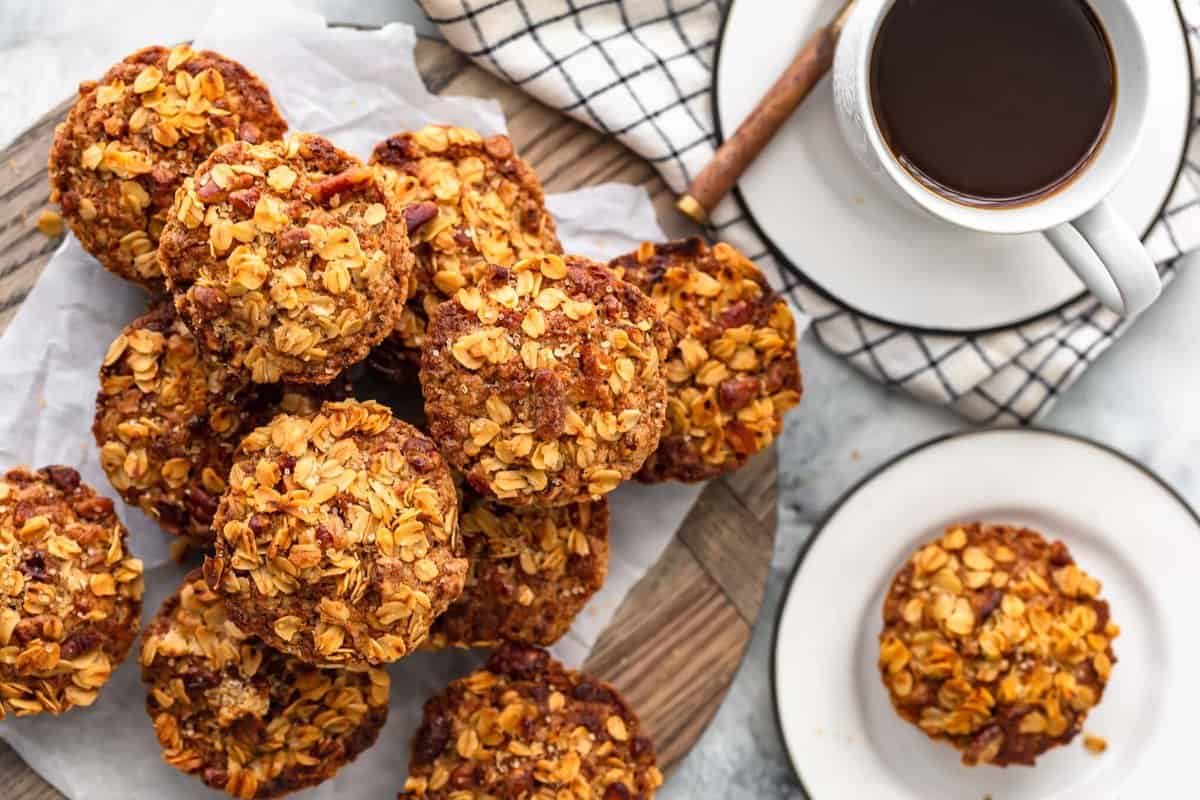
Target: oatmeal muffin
(286,259)
(337,540)
(133,136)
(527,727)
(733,373)
(167,421)
(471,201)
(995,642)
(246,719)
(70,593)
(532,571)
(543,383)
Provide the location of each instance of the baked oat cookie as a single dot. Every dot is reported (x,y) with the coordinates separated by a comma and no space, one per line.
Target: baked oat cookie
(995,642)
(286,259)
(470,201)
(70,592)
(246,719)
(526,727)
(168,421)
(532,571)
(337,540)
(134,135)
(733,373)
(543,382)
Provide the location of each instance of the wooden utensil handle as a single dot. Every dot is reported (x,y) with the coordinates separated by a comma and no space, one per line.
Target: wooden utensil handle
(739,150)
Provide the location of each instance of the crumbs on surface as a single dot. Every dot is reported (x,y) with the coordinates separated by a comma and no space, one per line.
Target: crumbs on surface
(50,223)
(1095,744)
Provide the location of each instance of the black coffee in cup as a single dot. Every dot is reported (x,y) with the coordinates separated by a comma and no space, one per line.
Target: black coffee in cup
(993,102)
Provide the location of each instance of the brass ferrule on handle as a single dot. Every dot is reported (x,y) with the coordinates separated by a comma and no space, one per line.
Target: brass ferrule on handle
(739,151)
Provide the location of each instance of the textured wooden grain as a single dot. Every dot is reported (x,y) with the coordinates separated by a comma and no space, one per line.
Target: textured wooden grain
(730,543)
(679,636)
(23,194)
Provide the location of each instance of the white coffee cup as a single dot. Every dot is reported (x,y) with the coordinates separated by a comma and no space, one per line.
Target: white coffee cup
(1077,218)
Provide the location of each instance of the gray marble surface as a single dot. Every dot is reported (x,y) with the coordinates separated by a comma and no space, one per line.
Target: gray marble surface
(1141,396)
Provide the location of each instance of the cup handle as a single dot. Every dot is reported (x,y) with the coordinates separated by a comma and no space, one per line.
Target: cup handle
(1109,259)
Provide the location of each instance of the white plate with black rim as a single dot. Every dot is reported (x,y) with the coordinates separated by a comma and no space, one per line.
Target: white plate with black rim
(1124,526)
(826,218)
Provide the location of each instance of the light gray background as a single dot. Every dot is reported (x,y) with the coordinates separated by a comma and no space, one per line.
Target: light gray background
(1143,396)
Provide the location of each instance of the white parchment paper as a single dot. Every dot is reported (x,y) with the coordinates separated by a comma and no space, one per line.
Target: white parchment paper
(356,87)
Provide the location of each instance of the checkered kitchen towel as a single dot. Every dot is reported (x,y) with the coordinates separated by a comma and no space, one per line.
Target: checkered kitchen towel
(641,70)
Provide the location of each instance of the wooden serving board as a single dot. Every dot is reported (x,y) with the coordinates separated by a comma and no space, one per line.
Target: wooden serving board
(679,636)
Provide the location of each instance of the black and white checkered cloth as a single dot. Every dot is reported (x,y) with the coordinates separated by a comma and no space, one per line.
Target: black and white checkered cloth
(641,70)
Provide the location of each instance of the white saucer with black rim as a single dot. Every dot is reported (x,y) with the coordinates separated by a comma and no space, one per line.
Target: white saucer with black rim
(1123,525)
(826,215)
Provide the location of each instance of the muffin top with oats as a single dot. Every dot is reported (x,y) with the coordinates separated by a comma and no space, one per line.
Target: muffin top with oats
(337,540)
(524,727)
(543,382)
(995,642)
(470,201)
(532,571)
(70,592)
(732,373)
(133,136)
(286,259)
(246,719)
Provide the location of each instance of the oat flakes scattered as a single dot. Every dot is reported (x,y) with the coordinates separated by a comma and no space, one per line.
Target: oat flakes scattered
(133,136)
(995,642)
(243,718)
(526,727)
(471,201)
(543,382)
(337,540)
(532,571)
(286,259)
(70,593)
(732,373)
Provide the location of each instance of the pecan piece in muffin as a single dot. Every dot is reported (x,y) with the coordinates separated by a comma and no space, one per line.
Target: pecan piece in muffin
(133,136)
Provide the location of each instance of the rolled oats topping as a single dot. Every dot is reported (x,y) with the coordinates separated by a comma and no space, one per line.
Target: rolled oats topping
(337,540)
(168,421)
(543,382)
(526,727)
(134,135)
(532,571)
(70,592)
(471,201)
(995,642)
(732,374)
(246,719)
(286,259)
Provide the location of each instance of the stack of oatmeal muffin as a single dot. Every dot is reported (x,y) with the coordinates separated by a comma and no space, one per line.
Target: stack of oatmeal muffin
(340,538)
